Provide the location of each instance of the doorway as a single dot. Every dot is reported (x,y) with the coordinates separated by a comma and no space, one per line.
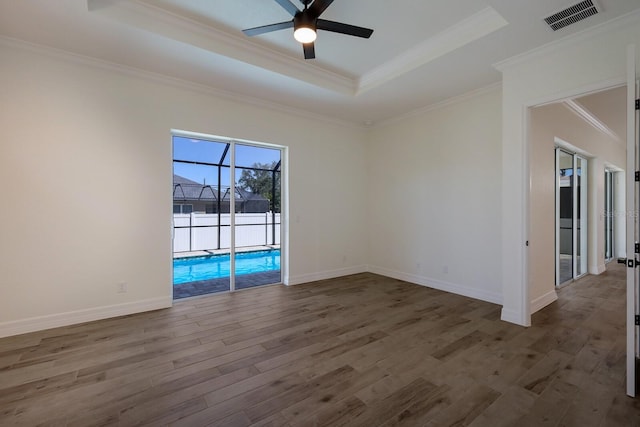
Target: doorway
(227,215)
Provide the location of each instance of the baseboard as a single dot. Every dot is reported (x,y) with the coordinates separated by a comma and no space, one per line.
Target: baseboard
(512,316)
(543,301)
(453,288)
(40,323)
(88,315)
(597,269)
(324,275)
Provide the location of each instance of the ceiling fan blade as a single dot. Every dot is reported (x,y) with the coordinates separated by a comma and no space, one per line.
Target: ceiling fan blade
(319,6)
(309,50)
(288,6)
(267,28)
(339,27)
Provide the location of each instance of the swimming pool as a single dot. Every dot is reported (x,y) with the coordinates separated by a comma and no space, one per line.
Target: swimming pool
(192,269)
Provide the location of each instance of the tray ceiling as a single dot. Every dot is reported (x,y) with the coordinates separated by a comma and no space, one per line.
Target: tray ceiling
(421,52)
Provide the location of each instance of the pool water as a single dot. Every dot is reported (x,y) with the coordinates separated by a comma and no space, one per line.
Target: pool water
(192,269)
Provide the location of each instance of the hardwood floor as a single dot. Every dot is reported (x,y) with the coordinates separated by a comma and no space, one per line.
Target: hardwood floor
(364,350)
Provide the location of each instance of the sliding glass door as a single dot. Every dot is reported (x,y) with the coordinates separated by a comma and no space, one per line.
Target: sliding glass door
(200,217)
(257,174)
(571,216)
(226,215)
(608,216)
(580,204)
(564,216)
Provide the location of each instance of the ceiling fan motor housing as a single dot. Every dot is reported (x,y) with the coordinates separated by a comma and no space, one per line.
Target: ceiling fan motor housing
(304,20)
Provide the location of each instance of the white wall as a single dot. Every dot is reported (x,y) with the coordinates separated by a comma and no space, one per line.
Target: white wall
(586,62)
(96,141)
(546,124)
(434,197)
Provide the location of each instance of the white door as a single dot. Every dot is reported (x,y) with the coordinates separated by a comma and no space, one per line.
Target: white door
(633,225)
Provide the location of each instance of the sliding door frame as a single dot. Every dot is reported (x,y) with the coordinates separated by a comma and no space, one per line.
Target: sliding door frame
(284,198)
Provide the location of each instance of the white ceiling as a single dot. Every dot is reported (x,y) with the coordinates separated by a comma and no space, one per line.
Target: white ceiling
(421,51)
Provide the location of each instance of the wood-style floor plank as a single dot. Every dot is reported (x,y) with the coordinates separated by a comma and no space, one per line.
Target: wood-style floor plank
(362,350)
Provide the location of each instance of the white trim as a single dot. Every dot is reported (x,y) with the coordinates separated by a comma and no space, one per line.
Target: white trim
(492,297)
(171,81)
(284,215)
(511,316)
(88,315)
(585,90)
(232,214)
(464,32)
(557,212)
(599,268)
(40,323)
(590,118)
(329,274)
(525,319)
(569,41)
(543,301)
(225,139)
(570,148)
(438,105)
(632,206)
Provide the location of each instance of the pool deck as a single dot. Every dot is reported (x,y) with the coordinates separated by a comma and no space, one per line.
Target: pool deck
(224,251)
(243,281)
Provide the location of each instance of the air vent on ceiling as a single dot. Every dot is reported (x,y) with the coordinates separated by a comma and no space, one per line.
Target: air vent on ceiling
(572,14)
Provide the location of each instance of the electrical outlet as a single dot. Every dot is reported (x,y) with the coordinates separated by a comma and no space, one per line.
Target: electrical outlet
(445,269)
(122,288)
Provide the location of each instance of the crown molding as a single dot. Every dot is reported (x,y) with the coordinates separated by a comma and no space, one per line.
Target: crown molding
(438,105)
(170,81)
(167,24)
(466,31)
(622,21)
(587,116)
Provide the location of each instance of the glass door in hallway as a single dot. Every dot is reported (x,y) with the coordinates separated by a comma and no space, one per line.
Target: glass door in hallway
(608,215)
(571,216)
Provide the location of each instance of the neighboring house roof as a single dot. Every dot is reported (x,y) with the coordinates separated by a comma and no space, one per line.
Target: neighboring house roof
(187,190)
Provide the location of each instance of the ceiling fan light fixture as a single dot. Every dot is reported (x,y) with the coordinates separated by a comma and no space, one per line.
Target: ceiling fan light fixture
(304,27)
(305,35)
(307,22)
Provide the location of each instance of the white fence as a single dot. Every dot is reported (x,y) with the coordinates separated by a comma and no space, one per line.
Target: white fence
(198,231)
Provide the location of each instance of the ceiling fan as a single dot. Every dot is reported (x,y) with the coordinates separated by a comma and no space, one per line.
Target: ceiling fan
(306,22)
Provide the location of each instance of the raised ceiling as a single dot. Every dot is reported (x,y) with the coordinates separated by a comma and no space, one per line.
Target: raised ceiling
(421,52)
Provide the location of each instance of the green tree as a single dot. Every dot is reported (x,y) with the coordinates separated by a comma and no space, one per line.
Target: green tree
(259,181)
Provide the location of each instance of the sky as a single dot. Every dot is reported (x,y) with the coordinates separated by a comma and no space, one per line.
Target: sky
(210,152)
